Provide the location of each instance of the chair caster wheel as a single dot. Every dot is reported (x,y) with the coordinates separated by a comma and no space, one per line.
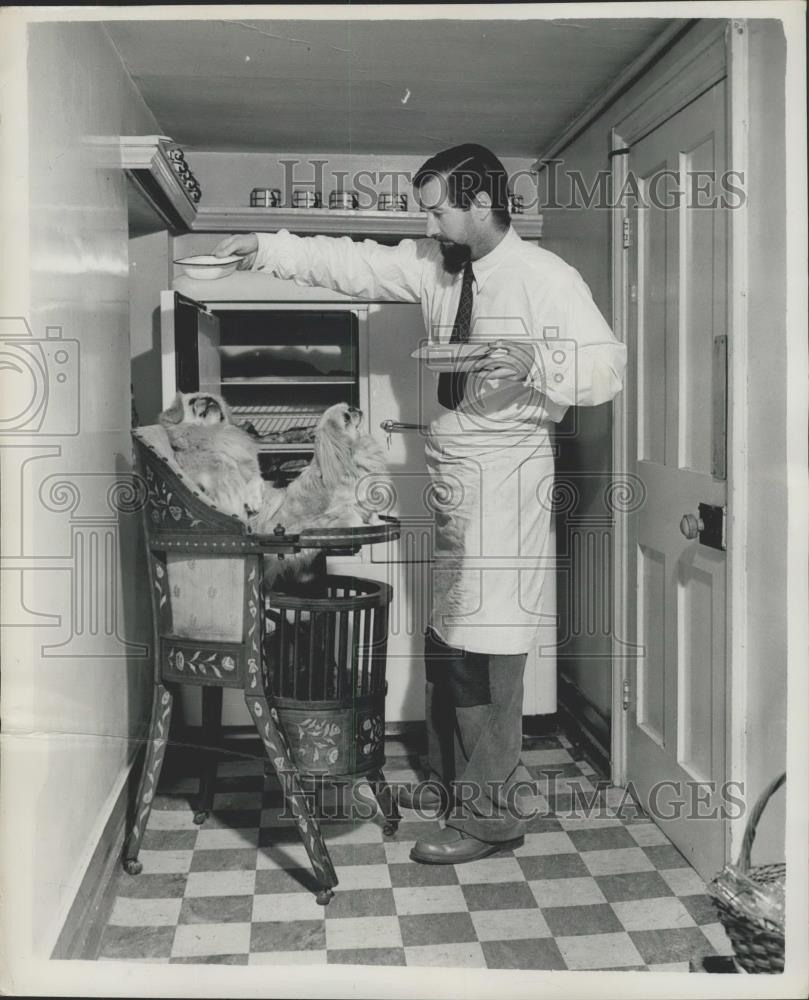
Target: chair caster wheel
(132,866)
(323,898)
(389,829)
(200,817)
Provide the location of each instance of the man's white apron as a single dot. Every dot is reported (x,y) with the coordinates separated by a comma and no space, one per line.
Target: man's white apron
(491,467)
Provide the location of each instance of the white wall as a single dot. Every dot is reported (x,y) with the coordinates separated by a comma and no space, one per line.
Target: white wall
(71,710)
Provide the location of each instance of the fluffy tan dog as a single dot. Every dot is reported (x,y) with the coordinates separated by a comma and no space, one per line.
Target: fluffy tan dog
(338,489)
(220,457)
(330,491)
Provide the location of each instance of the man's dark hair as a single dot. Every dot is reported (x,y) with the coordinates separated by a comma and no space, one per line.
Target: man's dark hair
(467,171)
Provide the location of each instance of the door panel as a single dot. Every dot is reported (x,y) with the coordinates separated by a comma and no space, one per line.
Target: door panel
(678,307)
(695,614)
(651,694)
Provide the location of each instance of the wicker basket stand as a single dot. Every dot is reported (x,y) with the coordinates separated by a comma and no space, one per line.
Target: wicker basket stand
(758,943)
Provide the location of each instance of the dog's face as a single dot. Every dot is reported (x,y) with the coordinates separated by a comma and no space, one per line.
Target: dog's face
(339,422)
(200,408)
(337,432)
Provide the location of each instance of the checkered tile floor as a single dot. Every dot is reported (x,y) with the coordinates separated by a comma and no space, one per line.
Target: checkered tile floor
(606,891)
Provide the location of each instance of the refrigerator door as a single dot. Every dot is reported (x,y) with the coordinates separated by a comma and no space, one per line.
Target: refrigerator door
(189,338)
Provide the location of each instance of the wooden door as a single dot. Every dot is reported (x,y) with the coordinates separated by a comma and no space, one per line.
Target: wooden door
(678,289)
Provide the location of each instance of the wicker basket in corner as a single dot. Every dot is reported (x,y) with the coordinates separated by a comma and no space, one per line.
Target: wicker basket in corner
(758,945)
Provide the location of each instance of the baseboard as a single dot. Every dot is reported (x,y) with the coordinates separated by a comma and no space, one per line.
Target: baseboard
(81,932)
(535,726)
(584,723)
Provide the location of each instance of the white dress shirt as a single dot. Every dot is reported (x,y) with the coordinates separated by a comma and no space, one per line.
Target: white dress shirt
(492,456)
(521,292)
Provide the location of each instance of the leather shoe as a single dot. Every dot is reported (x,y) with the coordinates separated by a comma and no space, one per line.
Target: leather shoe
(454,847)
(423,796)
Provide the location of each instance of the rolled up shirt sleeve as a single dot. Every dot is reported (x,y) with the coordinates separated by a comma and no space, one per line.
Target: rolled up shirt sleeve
(578,360)
(365,270)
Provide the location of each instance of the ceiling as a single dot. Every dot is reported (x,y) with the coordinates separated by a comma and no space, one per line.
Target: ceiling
(374,86)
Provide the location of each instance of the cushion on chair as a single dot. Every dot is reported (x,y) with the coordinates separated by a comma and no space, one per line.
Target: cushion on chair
(155,436)
(206,596)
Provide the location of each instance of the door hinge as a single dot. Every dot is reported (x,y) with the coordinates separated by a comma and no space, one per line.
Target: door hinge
(626,689)
(627,233)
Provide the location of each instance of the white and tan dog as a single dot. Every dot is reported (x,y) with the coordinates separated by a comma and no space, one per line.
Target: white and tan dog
(218,456)
(347,471)
(331,490)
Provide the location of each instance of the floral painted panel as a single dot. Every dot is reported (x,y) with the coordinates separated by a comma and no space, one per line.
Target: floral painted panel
(341,741)
(370,736)
(186,662)
(165,504)
(155,750)
(319,741)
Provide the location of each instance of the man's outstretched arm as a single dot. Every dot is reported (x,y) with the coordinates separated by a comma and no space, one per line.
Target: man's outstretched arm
(366,270)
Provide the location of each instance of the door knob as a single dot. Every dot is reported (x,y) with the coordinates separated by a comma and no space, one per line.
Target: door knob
(691,525)
(708,525)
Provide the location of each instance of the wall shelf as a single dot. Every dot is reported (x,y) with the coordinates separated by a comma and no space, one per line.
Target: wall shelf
(159,191)
(365,223)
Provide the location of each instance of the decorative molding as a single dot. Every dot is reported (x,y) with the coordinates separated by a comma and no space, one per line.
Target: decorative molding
(80,934)
(620,451)
(365,223)
(145,160)
(587,723)
(698,69)
(627,77)
(738,474)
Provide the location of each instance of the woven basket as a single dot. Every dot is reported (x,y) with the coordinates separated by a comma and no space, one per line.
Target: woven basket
(758,944)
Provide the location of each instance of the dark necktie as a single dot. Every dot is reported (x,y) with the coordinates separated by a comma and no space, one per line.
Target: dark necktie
(451,385)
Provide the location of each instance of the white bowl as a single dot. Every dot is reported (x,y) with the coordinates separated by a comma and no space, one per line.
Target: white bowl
(207,267)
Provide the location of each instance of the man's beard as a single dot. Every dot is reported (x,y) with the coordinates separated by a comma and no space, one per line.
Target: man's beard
(455,256)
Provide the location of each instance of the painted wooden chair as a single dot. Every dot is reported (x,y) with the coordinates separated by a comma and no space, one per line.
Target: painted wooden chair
(210,629)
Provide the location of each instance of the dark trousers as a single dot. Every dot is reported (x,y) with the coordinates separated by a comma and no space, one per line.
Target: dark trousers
(474,736)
